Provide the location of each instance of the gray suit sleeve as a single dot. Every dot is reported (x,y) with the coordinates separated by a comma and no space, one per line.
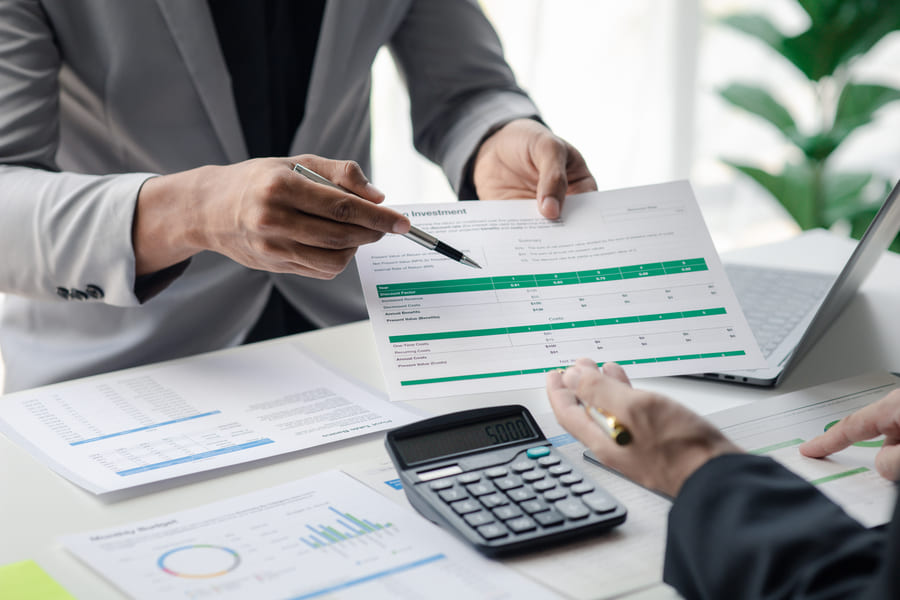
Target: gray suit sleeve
(460,86)
(57,230)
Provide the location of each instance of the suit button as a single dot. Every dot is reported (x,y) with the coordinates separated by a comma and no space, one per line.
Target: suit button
(77,295)
(62,293)
(94,291)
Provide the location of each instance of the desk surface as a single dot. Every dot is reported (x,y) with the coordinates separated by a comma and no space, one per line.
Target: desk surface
(37,506)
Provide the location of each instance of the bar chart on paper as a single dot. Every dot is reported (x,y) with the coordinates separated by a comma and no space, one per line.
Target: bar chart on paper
(326,536)
(345,527)
(629,276)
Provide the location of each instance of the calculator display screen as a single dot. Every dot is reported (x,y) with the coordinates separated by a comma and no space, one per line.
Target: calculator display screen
(465,438)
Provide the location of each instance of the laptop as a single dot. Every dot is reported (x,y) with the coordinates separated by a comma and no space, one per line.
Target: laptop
(788,311)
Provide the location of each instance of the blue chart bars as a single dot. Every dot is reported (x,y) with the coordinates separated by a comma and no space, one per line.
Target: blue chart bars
(345,527)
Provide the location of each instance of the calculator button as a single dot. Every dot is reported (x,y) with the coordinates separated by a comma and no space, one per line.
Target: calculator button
(495,472)
(520,466)
(557,470)
(441,484)
(468,478)
(521,525)
(452,495)
(532,476)
(508,483)
(534,506)
(582,488)
(599,502)
(544,485)
(555,494)
(549,461)
(549,518)
(521,494)
(492,531)
(477,519)
(481,489)
(507,512)
(466,506)
(572,508)
(494,500)
(570,479)
(537,452)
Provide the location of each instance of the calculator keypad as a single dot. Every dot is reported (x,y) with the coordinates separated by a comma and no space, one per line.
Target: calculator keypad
(536,492)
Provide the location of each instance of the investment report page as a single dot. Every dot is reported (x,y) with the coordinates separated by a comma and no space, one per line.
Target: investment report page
(627,275)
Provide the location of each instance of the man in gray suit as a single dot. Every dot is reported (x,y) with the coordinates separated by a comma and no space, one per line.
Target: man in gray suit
(134,228)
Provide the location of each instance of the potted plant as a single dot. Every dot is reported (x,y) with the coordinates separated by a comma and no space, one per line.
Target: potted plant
(840,31)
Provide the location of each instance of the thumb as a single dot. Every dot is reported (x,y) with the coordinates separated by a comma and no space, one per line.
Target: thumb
(887,462)
(550,160)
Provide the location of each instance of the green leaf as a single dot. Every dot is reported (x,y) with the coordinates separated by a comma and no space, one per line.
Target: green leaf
(860,220)
(844,195)
(805,52)
(762,29)
(838,32)
(818,147)
(793,188)
(757,26)
(857,106)
(858,26)
(759,102)
(819,10)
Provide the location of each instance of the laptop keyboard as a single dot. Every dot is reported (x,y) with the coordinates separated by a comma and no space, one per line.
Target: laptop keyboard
(775,301)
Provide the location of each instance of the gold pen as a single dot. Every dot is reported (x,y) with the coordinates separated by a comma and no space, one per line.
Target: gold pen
(618,432)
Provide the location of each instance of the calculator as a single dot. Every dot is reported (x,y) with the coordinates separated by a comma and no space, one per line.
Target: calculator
(491,477)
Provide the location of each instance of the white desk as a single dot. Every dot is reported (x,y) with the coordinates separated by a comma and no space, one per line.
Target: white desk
(37,506)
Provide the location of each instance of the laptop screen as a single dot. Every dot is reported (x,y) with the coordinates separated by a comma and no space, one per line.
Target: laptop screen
(879,235)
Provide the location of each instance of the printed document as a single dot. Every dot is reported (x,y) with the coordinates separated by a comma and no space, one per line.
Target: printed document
(629,275)
(128,428)
(325,536)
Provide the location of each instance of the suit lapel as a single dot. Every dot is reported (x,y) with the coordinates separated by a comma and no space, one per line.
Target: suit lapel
(195,35)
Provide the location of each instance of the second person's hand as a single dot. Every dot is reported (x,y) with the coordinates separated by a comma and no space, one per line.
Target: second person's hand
(524,159)
(878,418)
(669,441)
(262,215)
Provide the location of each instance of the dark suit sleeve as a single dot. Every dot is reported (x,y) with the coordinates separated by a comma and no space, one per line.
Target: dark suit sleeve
(743,526)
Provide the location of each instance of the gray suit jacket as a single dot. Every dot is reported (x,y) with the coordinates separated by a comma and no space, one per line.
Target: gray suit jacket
(98,95)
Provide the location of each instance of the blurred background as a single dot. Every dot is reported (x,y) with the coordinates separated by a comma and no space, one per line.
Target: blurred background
(802,95)
(638,88)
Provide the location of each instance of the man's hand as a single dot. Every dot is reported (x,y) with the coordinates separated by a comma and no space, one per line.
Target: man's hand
(669,442)
(879,418)
(523,159)
(262,215)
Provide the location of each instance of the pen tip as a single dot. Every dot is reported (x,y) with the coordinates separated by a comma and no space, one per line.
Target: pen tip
(468,261)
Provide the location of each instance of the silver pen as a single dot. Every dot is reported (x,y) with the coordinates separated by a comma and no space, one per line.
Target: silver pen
(415,234)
